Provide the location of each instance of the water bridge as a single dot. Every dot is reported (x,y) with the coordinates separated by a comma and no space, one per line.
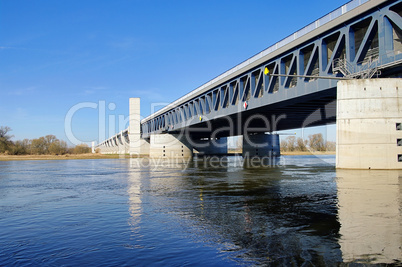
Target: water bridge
(343,68)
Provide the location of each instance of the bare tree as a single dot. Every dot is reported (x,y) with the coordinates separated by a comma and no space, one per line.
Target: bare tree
(27,144)
(239,144)
(5,139)
(291,143)
(19,148)
(82,149)
(316,142)
(58,147)
(284,145)
(330,146)
(301,144)
(49,139)
(39,146)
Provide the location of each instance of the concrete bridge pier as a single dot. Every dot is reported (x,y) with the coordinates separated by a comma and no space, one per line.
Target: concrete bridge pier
(212,146)
(261,145)
(369,124)
(138,147)
(120,144)
(170,146)
(115,149)
(158,145)
(126,142)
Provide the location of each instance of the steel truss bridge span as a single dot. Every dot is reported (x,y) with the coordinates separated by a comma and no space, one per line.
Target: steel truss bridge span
(362,39)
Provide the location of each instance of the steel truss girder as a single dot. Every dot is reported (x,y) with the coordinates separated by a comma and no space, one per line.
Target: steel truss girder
(314,57)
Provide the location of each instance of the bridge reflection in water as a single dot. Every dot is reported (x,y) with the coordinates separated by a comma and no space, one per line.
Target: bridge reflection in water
(299,211)
(369,211)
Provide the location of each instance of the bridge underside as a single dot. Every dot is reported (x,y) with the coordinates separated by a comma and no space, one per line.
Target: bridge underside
(307,111)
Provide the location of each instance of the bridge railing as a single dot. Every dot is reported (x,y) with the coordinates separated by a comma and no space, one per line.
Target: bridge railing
(370,66)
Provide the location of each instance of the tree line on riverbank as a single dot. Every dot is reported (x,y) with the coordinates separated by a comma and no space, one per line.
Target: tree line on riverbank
(314,142)
(45,145)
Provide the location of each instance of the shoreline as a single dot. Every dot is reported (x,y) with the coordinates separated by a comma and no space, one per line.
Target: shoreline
(117,156)
(294,153)
(58,157)
(300,153)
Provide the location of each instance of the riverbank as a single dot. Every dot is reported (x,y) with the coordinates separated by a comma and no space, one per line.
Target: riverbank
(297,153)
(115,156)
(58,157)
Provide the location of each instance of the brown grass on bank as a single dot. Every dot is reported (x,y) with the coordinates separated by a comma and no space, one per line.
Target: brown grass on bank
(59,157)
(296,153)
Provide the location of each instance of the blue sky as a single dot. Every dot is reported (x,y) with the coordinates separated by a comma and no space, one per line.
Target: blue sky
(57,56)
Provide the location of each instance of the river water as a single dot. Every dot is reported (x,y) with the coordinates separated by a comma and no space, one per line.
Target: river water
(206,212)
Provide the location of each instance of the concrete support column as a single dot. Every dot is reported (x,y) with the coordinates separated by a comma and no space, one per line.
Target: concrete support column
(138,146)
(369,124)
(126,143)
(112,147)
(170,146)
(115,145)
(261,145)
(120,145)
(212,146)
